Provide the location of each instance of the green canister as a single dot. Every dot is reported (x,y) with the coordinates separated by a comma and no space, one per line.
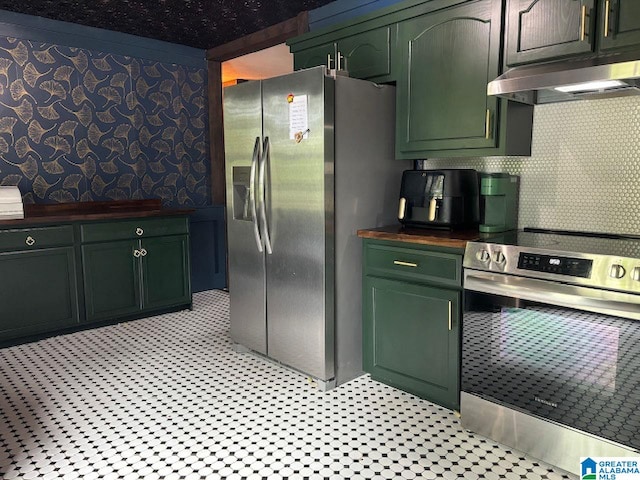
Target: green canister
(499,202)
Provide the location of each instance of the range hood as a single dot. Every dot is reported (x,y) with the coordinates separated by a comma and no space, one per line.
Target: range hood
(599,77)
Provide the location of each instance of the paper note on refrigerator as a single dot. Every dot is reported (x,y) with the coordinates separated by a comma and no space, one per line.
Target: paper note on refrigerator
(298,117)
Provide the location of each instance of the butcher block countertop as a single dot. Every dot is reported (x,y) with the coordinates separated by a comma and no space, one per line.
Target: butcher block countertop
(436,238)
(40,214)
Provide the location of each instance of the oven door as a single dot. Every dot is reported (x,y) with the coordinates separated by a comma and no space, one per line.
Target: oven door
(563,353)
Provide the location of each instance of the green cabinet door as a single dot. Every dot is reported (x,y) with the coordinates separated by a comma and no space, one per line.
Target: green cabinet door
(619,24)
(314,56)
(542,30)
(111,279)
(166,272)
(364,55)
(411,338)
(367,54)
(448,57)
(38,291)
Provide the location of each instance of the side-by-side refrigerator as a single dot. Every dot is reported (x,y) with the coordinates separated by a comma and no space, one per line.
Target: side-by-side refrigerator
(309,161)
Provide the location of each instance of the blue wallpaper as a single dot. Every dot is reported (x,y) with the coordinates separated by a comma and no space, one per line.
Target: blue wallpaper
(80,125)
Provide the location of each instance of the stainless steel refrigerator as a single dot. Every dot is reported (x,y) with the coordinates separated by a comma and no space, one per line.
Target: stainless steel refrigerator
(309,161)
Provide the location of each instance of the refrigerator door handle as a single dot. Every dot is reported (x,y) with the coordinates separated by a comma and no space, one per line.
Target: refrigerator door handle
(266,157)
(252,194)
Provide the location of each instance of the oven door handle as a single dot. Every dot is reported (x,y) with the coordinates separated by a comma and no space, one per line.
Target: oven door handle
(552,293)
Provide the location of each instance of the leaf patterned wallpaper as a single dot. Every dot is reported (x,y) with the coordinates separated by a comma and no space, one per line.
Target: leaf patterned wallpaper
(79,125)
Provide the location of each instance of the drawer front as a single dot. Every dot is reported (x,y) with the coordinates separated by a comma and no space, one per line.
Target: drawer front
(411,264)
(128,229)
(34,238)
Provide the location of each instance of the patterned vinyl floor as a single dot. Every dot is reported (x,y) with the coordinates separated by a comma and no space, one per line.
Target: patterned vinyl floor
(167,398)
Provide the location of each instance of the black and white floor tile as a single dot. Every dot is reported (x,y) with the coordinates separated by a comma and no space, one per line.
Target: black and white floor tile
(168,398)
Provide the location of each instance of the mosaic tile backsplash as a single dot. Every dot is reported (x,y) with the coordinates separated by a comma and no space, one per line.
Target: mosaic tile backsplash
(79,125)
(584,169)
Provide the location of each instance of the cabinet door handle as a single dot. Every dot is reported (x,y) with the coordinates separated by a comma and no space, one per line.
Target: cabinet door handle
(30,240)
(405,264)
(139,231)
(143,252)
(583,23)
(402,208)
(450,325)
(137,253)
(487,125)
(607,5)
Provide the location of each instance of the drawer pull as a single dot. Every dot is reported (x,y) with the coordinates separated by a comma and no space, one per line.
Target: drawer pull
(607,6)
(405,264)
(30,240)
(139,231)
(137,253)
(143,252)
(450,316)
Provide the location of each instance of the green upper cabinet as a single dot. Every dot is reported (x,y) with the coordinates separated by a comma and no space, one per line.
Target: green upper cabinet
(545,30)
(314,56)
(364,55)
(540,30)
(619,24)
(447,59)
(367,55)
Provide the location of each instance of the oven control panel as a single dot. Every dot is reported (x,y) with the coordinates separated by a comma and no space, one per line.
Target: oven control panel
(573,267)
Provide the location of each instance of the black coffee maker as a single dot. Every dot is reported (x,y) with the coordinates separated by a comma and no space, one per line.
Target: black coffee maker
(446,198)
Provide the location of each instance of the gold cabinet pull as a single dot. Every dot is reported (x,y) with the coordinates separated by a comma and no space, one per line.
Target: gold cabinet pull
(450,325)
(30,240)
(402,208)
(405,264)
(487,125)
(583,23)
(607,5)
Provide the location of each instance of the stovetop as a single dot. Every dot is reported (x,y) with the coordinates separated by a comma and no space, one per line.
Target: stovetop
(571,242)
(599,260)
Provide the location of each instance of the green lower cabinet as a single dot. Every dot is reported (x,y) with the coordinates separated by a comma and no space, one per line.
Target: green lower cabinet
(128,277)
(411,338)
(111,279)
(166,272)
(38,291)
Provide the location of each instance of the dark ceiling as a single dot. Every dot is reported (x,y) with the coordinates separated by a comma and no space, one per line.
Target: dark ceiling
(196,23)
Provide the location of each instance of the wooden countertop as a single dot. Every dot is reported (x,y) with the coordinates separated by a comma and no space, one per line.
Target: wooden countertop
(438,238)
(39,214)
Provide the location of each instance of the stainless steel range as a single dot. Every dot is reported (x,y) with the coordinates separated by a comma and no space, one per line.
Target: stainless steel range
(551,344)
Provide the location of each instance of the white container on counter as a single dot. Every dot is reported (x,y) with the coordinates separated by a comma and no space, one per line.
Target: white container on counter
(11,206)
